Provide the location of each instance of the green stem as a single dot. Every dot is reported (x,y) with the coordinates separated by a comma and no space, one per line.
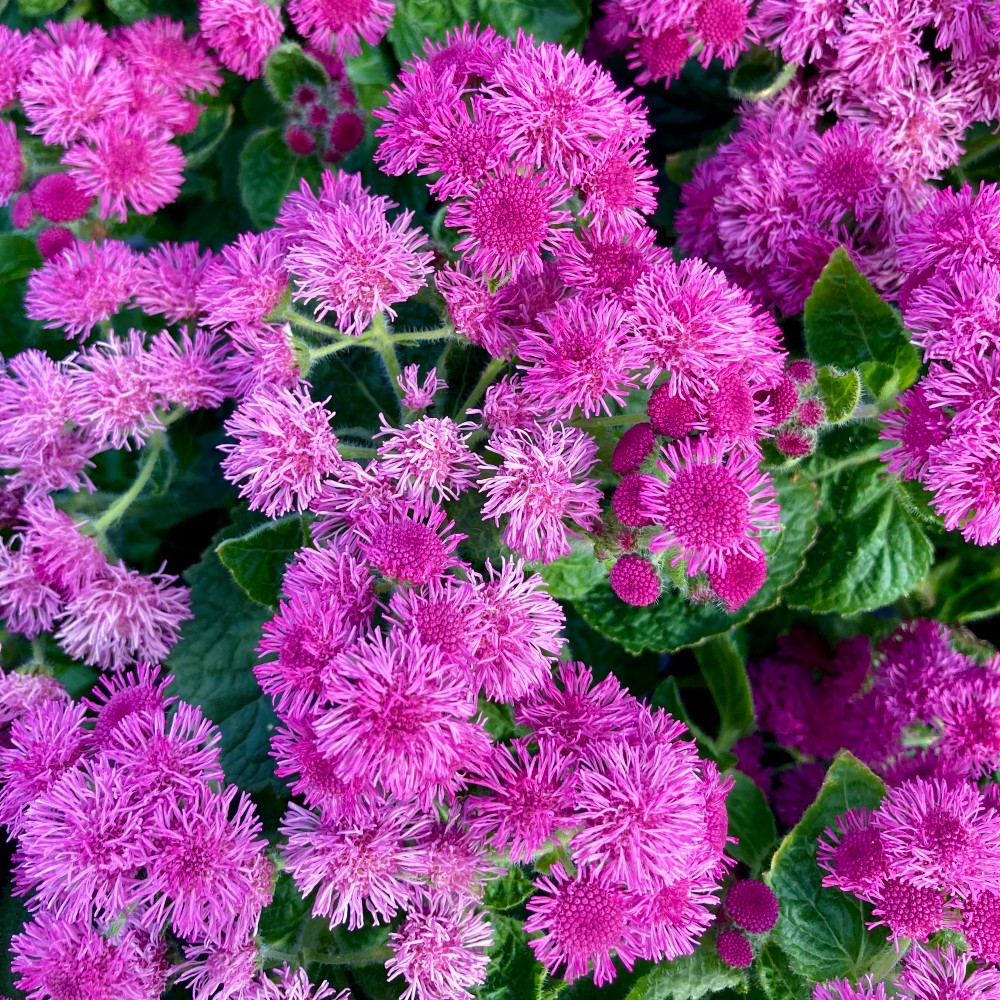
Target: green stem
(122,504)
(307,323)
(383,342)
(858,458)
(487,379)
(369,956)
(355,450)
(420,336)
(618,420)
(318,353)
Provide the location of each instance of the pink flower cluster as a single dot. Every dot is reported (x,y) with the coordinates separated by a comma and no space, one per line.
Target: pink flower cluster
(815,699)
(379,662)
(791,185)
(944,432)
(114,102)
(141,869)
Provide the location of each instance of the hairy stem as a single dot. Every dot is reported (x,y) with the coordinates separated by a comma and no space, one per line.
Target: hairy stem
(487,378)
(126,499)
(369,956)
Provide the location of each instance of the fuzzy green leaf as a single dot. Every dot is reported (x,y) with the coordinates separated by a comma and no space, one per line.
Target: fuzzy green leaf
(751,822)
(778,978)
(199,145)
(760,75)
(512,972)
(823,930)
(510,890)
(267,169)
(288,68)
(688,977)
(725,674)
(18,257)
(570,577)
(840,392)
(257,559)
(562,21)
(417,20)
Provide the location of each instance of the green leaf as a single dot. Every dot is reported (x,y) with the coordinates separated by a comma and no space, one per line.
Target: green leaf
(512,971)
(39,8)
(257,559)
(288,68)
(840,392)
(751,822)
(18,257)
(510,890)
(562,21)
(777,977)
(688,977)
(213,666)
(417,20)
(202,142)
(570,577)
(267,169)
(823,930)
(725,674)
(673,623)
(760,76)
(129,10)
(848,324)
(870,551)
(13,916)
(668,697)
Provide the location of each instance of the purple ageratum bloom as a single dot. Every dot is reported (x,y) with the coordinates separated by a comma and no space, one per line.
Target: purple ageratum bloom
(336,577)
(42,745)
(720,28)
(190,371)
(114,699)
(693,324)
(70,89)
(452,862)
(918,428)
(430,458)
(357,865)
(243,32)
(169,275)
(554,108)
(351,260)
(124,617)
(16,53)
(340,27)
(86,284)
(844,989)
(396,713)
(964,474)
(468,52)
(20,693)
(586,920)
(930,974)
(531,800)
(417,396)
(540,486)
(28,604)
(971,387)
(128,163)
(440,949)
(261,354)
(207,875)
(909,911)
(227,969)
(582,356)
(595,262)
(980,926)
(63,556)
(55,958)
(879,48)
(157,51)
(938,834)
(295,985)
(800,29)
(969,721)
(484,317)
(509,221)
(334,189)
(11,162)
(673,917)
(284,448)
(618,187)
(712,504)
(244,282)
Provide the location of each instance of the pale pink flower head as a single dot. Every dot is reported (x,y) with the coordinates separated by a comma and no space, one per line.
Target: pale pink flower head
(799,30)
(16,53)
(284,449)
(124,617)
(300,206)
(462,145)
(244,282)
(262,354)
(86,284)
(128,162)
(539,486)
(934,974)
(228,968)
(57,958)
(554,108)
(243,32)
(138,691)
(164,59)
(531,800)
(189,371)
(581,356)
(909,911)
(430,458)
(11,162)
(70,90)
(440,949)
(168,278)
(295,985)
(57,198)
(416,395)
(356,864)
(395,711)
(693,324)
(20,693)
(453,862)
(509,221)
(471,52)
(482,316)
(712,505)
(964,474)
(409,542)
(586,920)
(340,25)
(917,428)
(606,264)
(334,576)
(521,631)
(28,604)
(115,391)
(969,721)
(352,261)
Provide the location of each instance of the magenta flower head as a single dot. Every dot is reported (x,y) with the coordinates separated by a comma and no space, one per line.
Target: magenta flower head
(19,693)
(917,428)
(741,577)
(164,59)
(57,198)
(351,260)
(85,284)
(909,911)
(964,474)
(930,974)
(244,282)
(242,32)
(752,906)
(284,448)
(539,486)
(169,275)
(440,949)
(734,949)
(635,580)
(11,162)
(711,506)
(980,925)
(139,691)
(340,27)
(844,989)
(28,605)
(189,371)
(633,448)
(586,921)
